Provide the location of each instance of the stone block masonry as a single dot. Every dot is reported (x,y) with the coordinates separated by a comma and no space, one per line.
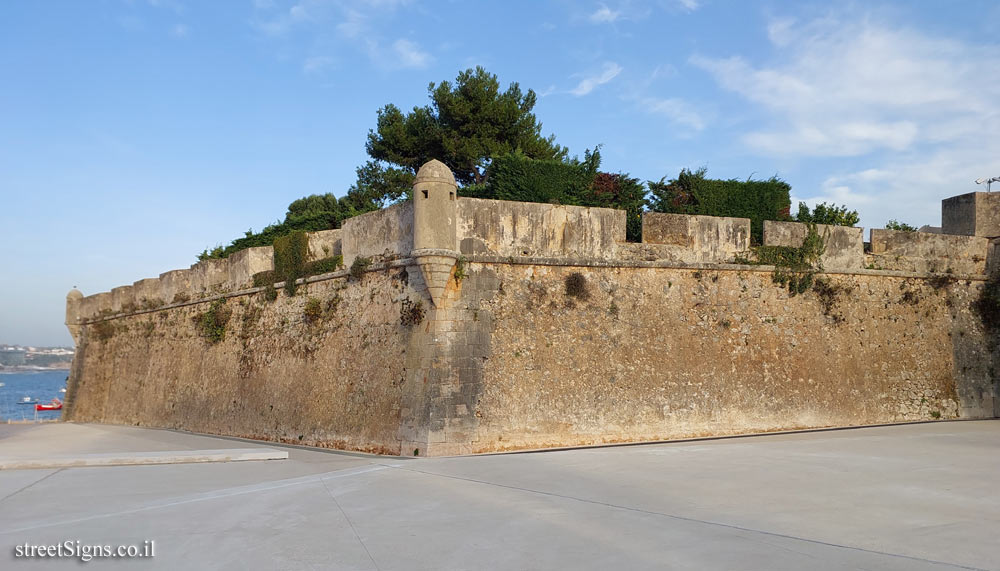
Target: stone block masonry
(844,246)
(485,326)
(692,239)
(972,214)
(928,253)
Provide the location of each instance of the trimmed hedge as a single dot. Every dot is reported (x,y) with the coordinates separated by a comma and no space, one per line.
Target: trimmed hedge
(692,193)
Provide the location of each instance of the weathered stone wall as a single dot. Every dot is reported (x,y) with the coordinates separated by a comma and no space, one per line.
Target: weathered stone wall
(506,228)
(651,353)
(690,239)
(337,379)
(245,263)
(844,245)
(383,234)
(516,359)
(325,244)
(971,214)
(546,329)
(924,252)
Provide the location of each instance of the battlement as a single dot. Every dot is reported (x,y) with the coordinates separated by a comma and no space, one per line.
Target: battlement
(529,230)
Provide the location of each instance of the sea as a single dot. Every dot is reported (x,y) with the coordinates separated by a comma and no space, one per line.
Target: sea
(40,385)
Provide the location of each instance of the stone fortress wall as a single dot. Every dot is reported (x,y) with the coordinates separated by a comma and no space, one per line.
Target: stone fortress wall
(486,325)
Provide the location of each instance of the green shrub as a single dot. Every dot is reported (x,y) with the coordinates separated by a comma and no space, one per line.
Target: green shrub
(104,330)
(313,310)
(460,271)
(829,214)
(359,266)
(323,266)
(270,292)
(514,176)
(290,253)
(692,193)
(211,324)
(900,226)
(266,278)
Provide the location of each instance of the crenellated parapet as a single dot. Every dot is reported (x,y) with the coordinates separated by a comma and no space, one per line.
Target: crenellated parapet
(692,239)
(844,247)
(971,214)
(245,263)
(922,252)
(381,235)
(437,229)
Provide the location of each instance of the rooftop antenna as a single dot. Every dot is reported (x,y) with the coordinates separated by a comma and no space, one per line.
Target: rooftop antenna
(988,181)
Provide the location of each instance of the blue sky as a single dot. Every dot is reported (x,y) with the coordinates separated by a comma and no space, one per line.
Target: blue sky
(133,134)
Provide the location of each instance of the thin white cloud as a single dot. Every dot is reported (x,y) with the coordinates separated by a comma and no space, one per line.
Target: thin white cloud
(180,31)
(410,55)
(689,5)
(589,83)
(901,117)
(604,15)
(316,64)
(356,25)
(677,110)
(847,88)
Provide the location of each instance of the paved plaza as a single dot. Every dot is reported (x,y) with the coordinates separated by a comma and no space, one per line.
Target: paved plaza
(921,496)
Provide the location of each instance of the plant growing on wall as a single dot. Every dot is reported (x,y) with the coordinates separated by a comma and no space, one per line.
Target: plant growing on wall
(104,330)
(211,324)
(795,268)
(313,310)
(359,266)
(290,254)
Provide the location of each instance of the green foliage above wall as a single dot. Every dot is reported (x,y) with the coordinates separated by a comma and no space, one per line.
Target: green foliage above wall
(468,122)
(515,176)
(693,193)
(829,214)
(900,226)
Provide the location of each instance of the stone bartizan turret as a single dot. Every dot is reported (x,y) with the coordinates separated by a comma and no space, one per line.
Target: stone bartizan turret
(434,227)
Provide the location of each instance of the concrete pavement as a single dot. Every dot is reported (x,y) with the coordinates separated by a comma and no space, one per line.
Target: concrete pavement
(900,497)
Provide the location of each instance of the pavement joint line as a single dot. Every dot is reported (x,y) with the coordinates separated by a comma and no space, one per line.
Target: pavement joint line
(25,487)
(789,432)
(211,495)
(350,523)
(694,520)
(160,457)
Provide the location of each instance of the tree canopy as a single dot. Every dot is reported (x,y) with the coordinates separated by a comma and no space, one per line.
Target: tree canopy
(467,123)
(493,143)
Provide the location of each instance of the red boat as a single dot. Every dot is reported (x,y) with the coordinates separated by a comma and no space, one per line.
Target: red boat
(56,404)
